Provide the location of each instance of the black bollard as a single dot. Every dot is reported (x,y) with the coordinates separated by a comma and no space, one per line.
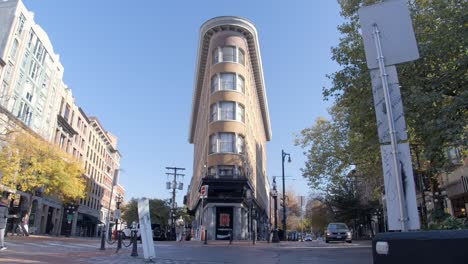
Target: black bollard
(134,241)
(119,240)
(230,237)
(206,237)
(103,240)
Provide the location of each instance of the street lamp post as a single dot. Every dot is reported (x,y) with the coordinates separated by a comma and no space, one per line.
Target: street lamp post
(274,193)
(283,156)
(248,196)
(70,215)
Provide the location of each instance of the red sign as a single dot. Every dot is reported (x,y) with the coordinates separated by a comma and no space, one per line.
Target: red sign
(224,220)
(204,191)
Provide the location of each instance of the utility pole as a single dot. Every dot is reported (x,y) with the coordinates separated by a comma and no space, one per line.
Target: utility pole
(283,156)
(173,186)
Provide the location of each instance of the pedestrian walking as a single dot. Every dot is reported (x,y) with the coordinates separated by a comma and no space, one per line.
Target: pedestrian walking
(3,221)
(180,228)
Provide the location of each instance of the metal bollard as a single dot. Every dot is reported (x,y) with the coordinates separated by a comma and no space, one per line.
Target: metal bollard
(103,240)
(134,246)
(206,237)
(230,237)
(119,240)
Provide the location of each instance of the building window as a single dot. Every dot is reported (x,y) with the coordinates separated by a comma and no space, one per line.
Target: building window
(20,27)
(227,81)
(240,144)
(240,111)
(211,172)
(215,83)
(62,141)
(241,56)
(226,142)
(213,141)
(66,113)
(240,84)
(228,54)
(226,110)
(14,49)
(213,112)
(226,171)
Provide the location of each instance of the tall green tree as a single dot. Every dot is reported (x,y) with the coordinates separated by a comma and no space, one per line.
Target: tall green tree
(434,95)
(434,90)
(159,211)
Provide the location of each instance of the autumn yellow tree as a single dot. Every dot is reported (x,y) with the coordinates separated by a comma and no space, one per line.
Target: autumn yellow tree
(31,164)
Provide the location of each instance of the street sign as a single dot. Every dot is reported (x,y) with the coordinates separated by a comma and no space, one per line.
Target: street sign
(204,191)
(117,214)
(396,104)
(391,193)
(394,22)
(145,229)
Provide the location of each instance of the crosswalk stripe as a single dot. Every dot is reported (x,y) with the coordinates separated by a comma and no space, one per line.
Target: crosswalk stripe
(61,245)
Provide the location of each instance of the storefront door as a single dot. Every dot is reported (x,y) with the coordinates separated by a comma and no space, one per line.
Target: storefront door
(224,222)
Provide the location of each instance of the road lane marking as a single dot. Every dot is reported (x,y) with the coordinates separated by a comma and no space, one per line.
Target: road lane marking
(325,247)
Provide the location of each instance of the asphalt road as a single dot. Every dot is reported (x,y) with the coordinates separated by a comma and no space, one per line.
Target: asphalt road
(71,250)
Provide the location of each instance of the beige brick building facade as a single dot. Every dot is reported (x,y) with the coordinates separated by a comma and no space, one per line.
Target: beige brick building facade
(34,99)
(229,128)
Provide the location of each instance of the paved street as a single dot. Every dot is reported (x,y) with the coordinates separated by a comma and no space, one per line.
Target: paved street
(37,249)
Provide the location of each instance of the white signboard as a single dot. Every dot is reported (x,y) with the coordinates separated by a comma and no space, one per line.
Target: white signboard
(396,31)
(145,229)
(397,105)
(117,214)
(204,191)
(391,193)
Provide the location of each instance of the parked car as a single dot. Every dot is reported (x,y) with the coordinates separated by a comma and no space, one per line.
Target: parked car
(158,233)
(308,237)
(338,232)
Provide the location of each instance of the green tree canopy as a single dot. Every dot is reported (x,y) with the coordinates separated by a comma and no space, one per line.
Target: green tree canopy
(159,211)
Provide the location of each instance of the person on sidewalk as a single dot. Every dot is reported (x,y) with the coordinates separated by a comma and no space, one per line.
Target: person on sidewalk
(180,228)
(3,221)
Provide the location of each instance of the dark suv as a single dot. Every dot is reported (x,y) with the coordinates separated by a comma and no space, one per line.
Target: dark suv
(338,232)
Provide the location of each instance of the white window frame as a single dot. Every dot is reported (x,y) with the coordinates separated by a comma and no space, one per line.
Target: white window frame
(238,53)
(217,82)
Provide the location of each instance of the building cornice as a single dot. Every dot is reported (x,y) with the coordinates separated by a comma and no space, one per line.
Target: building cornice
(247,28)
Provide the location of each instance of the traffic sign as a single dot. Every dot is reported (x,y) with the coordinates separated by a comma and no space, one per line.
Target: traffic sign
(204,191)
(117,214)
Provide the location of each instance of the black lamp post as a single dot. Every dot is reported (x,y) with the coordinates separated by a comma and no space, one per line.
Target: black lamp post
(70,210)
(283,156)
(274,193)
(249,199)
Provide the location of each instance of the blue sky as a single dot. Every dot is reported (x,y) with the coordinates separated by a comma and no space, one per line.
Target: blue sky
(132,64)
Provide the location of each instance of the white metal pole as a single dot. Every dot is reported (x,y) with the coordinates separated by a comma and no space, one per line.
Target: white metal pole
(393,140)
(110,202)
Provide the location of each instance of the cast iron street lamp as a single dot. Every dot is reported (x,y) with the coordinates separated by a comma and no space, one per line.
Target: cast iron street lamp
(283,156)
(70,213)
(274,193)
